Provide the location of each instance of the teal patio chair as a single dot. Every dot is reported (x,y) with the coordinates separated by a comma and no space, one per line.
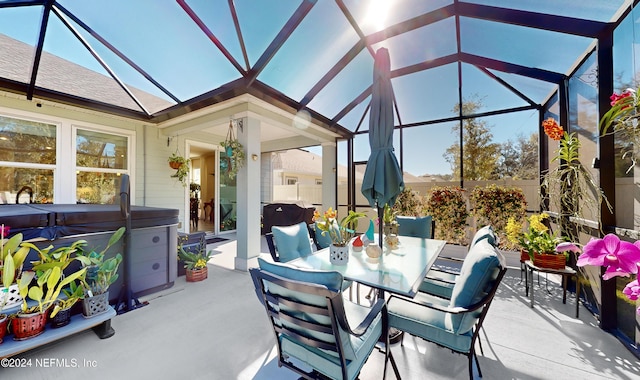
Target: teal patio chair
(313,323)
(289,242)
(415,226)
(439,281)
(454,323)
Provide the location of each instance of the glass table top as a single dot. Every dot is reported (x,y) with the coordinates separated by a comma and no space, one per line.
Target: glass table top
(398,270)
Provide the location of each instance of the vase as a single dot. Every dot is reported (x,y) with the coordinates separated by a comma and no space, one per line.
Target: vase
(339,254)
(62,318)
(25,326)
(94,305)
(549,260)
(390,229)
(4,321)
(195,275)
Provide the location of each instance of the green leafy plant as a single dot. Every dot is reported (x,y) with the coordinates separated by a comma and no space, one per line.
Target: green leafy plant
(535,237)
(181,165)
(12,248)
(194,260)
(89,257)
(235,155)
(106,275)
(46,289)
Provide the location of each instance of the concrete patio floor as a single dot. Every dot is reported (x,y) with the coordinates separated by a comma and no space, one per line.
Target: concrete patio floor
(217,329)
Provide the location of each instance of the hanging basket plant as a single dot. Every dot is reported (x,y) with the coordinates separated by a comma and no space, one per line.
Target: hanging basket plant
(181,165)
(235,154)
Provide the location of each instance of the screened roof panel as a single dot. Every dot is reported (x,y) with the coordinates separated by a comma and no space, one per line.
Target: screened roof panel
(599,10)
(315,54)
(420,45)
(293,70)
(373,16)
(524,46)
(489,94)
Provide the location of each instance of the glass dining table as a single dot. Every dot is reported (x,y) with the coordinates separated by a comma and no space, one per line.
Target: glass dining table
(399,270)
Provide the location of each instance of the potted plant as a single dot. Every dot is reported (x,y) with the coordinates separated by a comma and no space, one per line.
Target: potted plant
(96,292)
(536,242)
(92,259)
(339,232)
(12,256)
(390,224)
(44,290)
(181,165)
(195,263)
(73,293)
(235,157)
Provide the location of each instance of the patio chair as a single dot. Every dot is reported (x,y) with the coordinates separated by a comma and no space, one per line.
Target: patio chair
(312,322)
(454,323)
(289,242)
(421,227)
(440,281)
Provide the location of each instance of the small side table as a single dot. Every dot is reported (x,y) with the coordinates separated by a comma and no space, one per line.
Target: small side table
(566,273)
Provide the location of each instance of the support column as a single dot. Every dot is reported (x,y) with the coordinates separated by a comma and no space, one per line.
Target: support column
(329,176)
(248,196)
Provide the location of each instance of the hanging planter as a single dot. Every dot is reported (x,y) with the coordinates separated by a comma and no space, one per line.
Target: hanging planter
(235,154)
(181,165)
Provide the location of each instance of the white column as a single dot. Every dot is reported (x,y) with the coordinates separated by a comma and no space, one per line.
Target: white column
(329,175)
(248,196)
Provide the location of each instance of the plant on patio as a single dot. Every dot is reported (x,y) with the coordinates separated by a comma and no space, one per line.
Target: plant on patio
(339,232)
(235,154)
(195,262)
(11,249)
(570,188)
(494,205)
(535,239)
(621,258)
(448,207)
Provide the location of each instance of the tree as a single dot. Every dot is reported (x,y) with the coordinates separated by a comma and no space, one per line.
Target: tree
(519,159)
(480,155)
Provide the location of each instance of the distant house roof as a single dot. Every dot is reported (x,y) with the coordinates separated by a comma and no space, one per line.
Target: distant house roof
(58,74)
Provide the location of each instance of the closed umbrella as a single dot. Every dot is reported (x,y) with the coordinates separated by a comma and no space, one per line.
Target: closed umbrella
(382,182)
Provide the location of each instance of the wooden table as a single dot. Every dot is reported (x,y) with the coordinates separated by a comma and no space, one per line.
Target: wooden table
(566,273)
(399,271)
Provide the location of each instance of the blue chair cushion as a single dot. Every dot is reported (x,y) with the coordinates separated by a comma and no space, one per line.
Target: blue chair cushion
(426,323)
(485,232)
(323,240)
(438,283)
(292,241)
(332,280)
(480,268)
(414,226)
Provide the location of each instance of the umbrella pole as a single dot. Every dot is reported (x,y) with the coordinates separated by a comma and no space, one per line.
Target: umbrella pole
(380,225)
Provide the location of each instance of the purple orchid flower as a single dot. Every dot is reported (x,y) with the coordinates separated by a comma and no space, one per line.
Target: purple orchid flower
(632,290)
(567,247)
(620,257)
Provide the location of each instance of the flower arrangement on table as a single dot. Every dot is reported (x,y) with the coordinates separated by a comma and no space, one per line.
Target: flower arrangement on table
(339,232)
(621,258)
(536,238)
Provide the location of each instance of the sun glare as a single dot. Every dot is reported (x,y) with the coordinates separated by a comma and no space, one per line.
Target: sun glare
(377,13)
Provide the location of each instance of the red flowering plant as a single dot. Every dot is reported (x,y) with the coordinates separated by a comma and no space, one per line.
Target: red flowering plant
(569,187)
(621,258)
(623,117)
(448,207)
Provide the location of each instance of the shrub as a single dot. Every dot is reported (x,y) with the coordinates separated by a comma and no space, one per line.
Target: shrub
(448,207)
(495,204)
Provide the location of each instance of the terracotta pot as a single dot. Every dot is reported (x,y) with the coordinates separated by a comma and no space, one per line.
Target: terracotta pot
(195,275)
(550,261)
(174,165)
(524,256)
(25,326)
(4,322)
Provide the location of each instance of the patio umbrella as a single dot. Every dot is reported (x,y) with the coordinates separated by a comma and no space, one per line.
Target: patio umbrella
(382,182)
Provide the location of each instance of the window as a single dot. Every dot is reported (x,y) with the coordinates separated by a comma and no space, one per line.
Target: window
(318,181)
(291,180)
(27,160)
(101,158)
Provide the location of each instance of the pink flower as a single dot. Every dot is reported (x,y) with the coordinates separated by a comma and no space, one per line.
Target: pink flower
(620,257)
(567,246)
(632,290)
